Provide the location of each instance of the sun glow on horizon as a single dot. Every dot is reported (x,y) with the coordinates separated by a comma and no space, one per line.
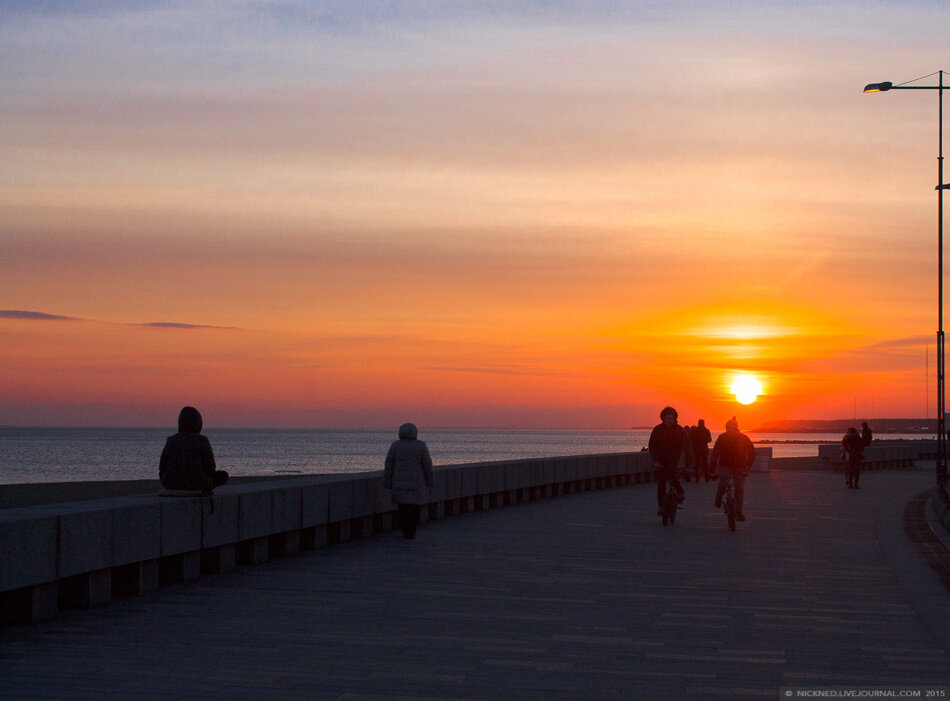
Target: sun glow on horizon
(746,388)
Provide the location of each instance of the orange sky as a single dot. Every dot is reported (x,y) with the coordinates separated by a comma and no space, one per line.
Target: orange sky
(508,216)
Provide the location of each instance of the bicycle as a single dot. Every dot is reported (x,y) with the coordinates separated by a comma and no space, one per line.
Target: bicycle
(729,500)
(671,503)
(729,506)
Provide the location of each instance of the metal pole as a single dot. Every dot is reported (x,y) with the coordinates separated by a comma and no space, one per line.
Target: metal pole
(942,438)
(941,385)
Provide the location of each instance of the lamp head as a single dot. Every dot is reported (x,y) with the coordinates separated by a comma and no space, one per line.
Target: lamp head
(879,87)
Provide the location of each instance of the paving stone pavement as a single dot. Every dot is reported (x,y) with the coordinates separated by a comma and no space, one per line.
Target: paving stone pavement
(579,597)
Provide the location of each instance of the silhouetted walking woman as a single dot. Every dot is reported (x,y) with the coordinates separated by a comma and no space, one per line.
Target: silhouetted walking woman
(409,475)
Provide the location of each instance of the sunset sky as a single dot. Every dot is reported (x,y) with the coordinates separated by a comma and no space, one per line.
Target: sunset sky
(517,214)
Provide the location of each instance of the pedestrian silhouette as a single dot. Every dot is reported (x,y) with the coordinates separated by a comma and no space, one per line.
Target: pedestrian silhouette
(852,452)
(700,438)
(408,473)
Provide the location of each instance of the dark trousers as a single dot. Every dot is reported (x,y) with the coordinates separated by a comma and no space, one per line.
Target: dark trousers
(408,518)
(701,461)
(737,478)
(854,471)
(663,476)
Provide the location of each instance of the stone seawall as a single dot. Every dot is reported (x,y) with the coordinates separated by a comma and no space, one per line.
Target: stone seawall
(881,455)
(80,554)
(38,493)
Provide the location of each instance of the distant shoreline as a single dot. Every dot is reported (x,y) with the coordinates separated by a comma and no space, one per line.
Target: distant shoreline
(917,426)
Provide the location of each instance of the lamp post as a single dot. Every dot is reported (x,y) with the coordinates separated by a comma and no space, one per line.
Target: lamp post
(941,186)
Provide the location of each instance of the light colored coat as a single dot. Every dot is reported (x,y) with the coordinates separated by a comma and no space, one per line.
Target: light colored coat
(408,470)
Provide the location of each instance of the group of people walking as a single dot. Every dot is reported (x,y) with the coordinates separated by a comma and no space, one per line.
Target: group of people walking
(672,445)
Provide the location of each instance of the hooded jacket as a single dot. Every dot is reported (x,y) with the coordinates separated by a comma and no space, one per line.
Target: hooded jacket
(187,460)
(408,468)
(733,450)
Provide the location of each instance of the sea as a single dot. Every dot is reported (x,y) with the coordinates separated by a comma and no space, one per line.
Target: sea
(29,455)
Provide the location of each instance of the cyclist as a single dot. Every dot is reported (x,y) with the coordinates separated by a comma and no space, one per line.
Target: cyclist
(668,444)
(735,454)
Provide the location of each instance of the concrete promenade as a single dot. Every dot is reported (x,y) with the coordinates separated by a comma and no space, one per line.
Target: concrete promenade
(578,597)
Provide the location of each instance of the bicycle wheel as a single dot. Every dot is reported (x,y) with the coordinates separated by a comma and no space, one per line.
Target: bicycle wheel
(669,506)
(730,512)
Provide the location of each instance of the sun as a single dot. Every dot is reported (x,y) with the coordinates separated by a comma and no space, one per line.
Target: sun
(746,388)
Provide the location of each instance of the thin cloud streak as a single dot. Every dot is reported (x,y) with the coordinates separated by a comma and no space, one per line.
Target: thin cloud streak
(911,342)
(19,314)
(515,372)
(179,325)
(34,316)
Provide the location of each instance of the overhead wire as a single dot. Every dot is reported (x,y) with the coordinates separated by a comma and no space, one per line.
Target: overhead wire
(916,79)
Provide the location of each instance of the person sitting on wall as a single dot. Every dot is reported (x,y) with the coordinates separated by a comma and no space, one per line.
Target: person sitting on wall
(187,461)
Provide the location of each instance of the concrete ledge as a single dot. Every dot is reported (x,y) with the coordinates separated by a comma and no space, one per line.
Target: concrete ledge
(878,456)
(315,505)
(286,509)
(438,494)
(31,542)
(222,526)
(85,553)
(490,479)
(136,532)
(341,501)
(255,514)
(181,525)
(363,499)
(469,477)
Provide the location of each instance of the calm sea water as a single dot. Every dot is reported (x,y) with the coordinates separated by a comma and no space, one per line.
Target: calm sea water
(82,454)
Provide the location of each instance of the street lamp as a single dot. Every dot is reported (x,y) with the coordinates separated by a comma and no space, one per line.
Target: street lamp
(941,186)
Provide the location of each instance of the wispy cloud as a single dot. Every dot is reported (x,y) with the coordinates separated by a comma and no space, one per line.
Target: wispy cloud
(910,342)
(34,316)
(43,316)
(179,325)
(515,371)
